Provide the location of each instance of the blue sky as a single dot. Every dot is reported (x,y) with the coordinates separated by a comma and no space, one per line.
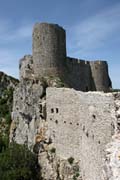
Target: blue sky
(92,28)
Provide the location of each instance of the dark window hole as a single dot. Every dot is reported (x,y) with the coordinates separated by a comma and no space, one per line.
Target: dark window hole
(56,121)
(94,116)
(57,110)
(52,110)
(87,134)
(71,123)
(64,122)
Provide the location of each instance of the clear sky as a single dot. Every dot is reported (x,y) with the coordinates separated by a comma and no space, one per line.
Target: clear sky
(92,28)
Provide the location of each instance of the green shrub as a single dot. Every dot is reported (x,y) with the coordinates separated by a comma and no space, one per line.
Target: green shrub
(53,150)
(18,163)
(115,90)
(71,160)
(8,118)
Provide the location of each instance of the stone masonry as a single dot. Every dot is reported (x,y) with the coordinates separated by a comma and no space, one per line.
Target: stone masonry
(80,126)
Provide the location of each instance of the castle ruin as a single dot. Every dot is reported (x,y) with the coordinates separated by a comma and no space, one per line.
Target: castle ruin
(75,134)
(50,59)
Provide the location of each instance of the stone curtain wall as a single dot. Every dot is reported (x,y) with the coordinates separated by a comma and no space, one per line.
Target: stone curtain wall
(87,75)
(79,74)
(80,125)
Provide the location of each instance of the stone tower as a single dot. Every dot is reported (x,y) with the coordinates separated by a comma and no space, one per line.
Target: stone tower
(49,49)
(100,76)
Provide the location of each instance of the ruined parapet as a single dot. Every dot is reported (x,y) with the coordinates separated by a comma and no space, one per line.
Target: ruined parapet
(26,67)
(49,49)
(100,76)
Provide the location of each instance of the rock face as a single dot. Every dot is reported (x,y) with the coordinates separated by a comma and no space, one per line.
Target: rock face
(28,112)
(68,129)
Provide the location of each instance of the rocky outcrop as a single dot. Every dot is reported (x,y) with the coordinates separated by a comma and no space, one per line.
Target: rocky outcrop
(29,115)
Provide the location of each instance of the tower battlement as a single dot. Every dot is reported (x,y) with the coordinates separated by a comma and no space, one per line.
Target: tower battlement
(49,59)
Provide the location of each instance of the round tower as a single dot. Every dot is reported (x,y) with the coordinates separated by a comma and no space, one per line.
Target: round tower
(49,49)
(100,77)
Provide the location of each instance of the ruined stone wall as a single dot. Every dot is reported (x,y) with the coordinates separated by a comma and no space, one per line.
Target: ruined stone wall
(26,67)
(100,76)
(49,49)
(80,125)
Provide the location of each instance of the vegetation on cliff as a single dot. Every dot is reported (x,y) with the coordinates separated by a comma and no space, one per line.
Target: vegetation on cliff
(18,163)
(7,86)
